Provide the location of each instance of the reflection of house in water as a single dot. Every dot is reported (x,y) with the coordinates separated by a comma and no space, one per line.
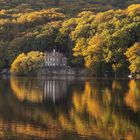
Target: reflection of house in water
(39,90)
(55,89)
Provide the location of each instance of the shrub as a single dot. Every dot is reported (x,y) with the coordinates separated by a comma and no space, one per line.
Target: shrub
(28,64)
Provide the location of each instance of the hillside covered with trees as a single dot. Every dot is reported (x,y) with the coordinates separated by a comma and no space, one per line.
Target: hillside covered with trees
(68,6)
(102,35)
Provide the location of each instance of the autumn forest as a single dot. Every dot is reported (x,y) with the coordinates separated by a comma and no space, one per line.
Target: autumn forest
(100,35)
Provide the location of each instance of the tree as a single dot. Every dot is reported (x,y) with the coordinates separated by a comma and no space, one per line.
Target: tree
(29,64)
(4,58)
(133,55)
(103,39)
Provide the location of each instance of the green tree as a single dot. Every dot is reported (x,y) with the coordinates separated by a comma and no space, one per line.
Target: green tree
(4,58)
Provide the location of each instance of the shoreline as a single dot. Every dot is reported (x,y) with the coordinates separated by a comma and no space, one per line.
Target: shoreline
(63,77)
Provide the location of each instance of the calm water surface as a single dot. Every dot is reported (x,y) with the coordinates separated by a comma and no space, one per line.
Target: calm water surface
(69,109)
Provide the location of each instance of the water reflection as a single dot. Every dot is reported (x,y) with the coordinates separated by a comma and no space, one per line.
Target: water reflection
(55,89)
(36,91)
(132,97)
(69,109)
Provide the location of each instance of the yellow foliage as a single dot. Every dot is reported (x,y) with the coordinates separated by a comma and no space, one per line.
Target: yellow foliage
(23,92)
(28,64)
(133,9)
(132,98)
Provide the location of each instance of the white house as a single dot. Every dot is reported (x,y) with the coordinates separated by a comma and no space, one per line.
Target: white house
(55,59)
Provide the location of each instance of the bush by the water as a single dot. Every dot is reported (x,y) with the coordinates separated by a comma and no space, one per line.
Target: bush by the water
(133,55)
(28,64)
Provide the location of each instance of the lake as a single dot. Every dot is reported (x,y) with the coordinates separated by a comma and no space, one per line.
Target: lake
(69,108)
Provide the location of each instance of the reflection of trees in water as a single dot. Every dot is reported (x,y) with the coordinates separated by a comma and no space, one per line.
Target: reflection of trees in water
(102,118)
(99,108)
(24,131)
(21,121)
(36,91)
(25,90)
(132,98)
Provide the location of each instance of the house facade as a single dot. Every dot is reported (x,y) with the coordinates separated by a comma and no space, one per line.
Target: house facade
(55,59)
(56,64)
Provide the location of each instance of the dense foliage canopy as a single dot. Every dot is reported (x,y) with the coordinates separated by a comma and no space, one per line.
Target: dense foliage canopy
(133,54)
(28,64)
(88,34)
(103,38)
(68,6)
